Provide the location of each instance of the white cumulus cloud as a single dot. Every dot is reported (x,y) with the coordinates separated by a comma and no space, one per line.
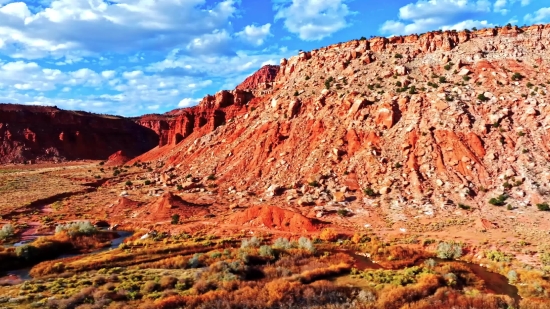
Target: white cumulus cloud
(540,16)
(312,19)
(255,35)
(426,15)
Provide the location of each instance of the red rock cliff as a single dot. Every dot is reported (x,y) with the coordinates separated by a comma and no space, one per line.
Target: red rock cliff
(49,133)
(421,120)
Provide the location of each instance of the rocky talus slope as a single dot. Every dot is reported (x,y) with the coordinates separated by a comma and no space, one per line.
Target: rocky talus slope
(40,133)
(432,125)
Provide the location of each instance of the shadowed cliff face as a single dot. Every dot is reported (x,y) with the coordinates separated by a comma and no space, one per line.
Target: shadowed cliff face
(427,121)
(210,113)
(50,134)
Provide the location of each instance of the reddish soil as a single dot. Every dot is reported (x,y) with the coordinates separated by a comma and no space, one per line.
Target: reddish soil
(272,217)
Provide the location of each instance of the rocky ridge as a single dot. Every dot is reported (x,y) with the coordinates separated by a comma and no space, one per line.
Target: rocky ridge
(405,128)
(41,133)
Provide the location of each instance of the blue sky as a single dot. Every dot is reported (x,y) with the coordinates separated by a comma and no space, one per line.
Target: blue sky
(132,57)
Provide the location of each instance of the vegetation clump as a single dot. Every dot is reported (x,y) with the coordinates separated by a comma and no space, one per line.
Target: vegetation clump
(543,207)
(499,200)
(6,231)
(449,250)
(76,228)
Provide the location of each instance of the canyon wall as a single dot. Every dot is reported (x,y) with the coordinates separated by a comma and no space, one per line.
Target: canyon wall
(426,121)
(41,133)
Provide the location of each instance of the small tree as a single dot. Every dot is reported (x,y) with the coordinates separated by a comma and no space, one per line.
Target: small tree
(329,234)
(175,219)
(128,183)
(147,182)
(543,207)
(449,250)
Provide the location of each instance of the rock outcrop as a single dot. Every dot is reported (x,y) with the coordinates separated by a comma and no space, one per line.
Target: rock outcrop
(39,133)
(261,82)
(212,112)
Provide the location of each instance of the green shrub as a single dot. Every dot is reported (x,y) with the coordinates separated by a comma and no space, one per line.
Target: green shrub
(370,192)
(266,251)
(76,228)
(315,184)
(449,250)
(128,183)
(7,231)
(465,207)
(211,177)
(175,219)
(282,243)
(498,201)
(147,182)
(342,212)
(447,67)
(466,78)
(328,81)
(517,76)
(442,79)
(296,93)
(497,256)
(512,276)
(543,207)
(253,242)
(306,244)
(482,97)
(398,56)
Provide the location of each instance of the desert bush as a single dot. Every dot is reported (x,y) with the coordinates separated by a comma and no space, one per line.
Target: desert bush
(167,282)
(175,219)
(306,244)
(449,250)
(253,242)
(329,234)
(149,287)
(266,251)
(517,76)
(282,243)
(512,276)
(543,207)
(6,231)
(360,238)
(482,97)
(76,228)
(497,256)
(499,200)
(370,192)
(545,258)
(194,262)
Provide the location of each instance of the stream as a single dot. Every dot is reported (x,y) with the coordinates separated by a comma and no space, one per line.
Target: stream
(494,283)
(18,275)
